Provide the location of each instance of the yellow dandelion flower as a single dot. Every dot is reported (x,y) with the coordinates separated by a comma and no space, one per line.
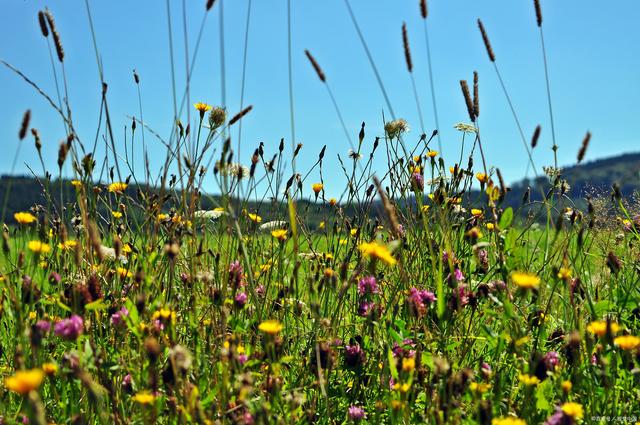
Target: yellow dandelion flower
(408,364)
(528,380)
(162,217)
(342,241)
(123,273)
(508,421)
(377,251)
(599,327)
(202,107)
(50,368)
(525,280)
(271,327)
(144,397)
(279,234)
(321,225)
(38,247)
(317,188)
(116,214)
(627,342)
(353,232)
(482,177)
(333,201)
(76,183)
(566,386)
(479,387)
(491,226)
(432,154)
(573,410)
(564,273)
(476,212)
(117,187)
(126,248)
(254,217)
(33,315)
(24,217)
(425,208)
(68,244)
(24,381)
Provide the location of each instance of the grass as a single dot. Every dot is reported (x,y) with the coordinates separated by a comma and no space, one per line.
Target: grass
(138,306)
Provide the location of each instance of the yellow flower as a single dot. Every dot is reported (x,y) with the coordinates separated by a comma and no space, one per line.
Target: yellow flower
(68,244)
(564,273)
(432,154)
(528,380)
(24,381)
(271,327)
(378,251)
(50,368)
(482,177)
(476,212)
(116,214)
(599,327)
(415,169)
(24,217)
(408,364)
(33,315)
(342,241)
(38,247)
(254,217)
(353,232)
(491,226)
(162,217)
(202,107)
(627,342)
(321,225)
(317,188)
(123,273)
(508,421)
(573,409)
(279,234)
(144,397)
(117,187)
(126,248)
(479,387)
(525,280)
(333,201)
(76,183)
(566,386)
(425,208)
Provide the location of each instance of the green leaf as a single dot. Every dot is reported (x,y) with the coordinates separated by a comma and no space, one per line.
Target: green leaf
(96,305)
(506,218)
(392,365)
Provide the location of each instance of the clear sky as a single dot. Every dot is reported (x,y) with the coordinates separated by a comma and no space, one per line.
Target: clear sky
(592,49)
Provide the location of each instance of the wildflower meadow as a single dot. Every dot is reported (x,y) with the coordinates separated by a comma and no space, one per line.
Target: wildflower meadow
(231,285)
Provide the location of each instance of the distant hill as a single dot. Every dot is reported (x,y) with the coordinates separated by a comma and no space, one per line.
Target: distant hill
(591,177)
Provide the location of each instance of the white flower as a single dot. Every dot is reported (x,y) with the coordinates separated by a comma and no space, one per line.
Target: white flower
(233,170)
(272,225)
(465,128)
(395,128)
(213,215)
(110,254)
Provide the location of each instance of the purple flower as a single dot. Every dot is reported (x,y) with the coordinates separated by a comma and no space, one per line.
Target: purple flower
(555,419)
(419,300)
(127,383)
(356,413)
(54,278)
(118,318)
(241,299)
(551,360)
(458,275)
(368,285)
(260,290)
(366,308)
(353,355)
(404,350)
(236,274)
(418,181)
(43,326)
(70,328)
(242,358)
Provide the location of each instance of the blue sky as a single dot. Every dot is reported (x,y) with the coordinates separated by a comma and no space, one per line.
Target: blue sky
(592,51)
